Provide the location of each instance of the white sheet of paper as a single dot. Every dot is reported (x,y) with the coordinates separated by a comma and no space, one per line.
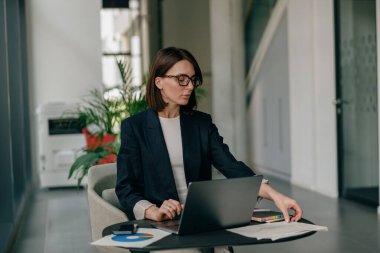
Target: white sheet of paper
(142,238)
(277,230)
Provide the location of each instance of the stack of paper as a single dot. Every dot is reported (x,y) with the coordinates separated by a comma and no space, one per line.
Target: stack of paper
(275,231)
(142,238)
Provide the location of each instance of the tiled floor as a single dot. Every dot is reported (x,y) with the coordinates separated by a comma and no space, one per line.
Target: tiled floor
(58,222)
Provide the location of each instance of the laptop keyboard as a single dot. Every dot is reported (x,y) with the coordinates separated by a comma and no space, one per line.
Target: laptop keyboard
(170,223)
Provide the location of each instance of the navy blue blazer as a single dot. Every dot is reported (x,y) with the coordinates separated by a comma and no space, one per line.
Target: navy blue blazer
(143,165)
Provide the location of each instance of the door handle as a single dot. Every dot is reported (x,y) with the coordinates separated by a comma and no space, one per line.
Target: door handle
(339,102)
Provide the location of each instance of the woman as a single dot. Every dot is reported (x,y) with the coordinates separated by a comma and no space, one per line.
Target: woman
(171,144)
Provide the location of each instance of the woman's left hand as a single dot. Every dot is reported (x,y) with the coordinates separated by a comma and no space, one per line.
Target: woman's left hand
(283,203)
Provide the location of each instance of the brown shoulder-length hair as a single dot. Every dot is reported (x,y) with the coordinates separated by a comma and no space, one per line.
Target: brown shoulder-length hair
(164,60)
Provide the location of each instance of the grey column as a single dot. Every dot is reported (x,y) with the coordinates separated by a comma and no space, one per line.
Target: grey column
(228,85)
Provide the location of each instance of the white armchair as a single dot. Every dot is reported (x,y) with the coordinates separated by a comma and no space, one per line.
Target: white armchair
(104,211)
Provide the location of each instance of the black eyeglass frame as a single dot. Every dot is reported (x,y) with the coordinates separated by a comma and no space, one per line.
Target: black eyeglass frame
(194,80)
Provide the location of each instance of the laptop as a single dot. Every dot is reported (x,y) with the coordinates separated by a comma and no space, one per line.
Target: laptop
(215,204)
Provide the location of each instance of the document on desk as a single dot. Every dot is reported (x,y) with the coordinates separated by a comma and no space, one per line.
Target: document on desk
(142,238)
(277,230)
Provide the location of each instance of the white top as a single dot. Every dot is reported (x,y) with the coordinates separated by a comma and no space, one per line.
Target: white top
(171,129)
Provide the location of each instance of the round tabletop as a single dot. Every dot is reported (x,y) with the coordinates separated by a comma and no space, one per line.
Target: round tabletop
(203,240)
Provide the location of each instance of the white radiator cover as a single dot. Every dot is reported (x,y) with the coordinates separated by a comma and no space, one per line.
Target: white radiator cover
(57,152)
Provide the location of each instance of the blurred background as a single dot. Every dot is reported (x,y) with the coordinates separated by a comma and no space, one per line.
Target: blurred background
(291,84)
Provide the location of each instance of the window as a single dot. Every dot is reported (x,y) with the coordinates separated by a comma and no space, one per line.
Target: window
(120,35)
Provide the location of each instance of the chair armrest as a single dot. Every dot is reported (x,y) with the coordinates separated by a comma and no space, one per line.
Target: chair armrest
(102,214)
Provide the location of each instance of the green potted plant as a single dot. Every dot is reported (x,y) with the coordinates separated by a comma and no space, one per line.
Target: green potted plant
(100,116)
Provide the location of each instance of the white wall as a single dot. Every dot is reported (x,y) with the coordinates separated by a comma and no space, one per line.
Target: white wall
(64,53)
(268,112)
(64,49)
(311,93)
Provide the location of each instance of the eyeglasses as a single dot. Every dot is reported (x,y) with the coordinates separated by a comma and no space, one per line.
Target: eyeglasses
(184,80)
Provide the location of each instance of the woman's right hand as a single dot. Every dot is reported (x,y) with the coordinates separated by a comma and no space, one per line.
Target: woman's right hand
(168,210)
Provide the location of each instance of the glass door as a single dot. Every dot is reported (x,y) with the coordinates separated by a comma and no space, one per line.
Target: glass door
(357,100)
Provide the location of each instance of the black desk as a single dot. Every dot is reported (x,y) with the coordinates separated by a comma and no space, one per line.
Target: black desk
(202,240)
